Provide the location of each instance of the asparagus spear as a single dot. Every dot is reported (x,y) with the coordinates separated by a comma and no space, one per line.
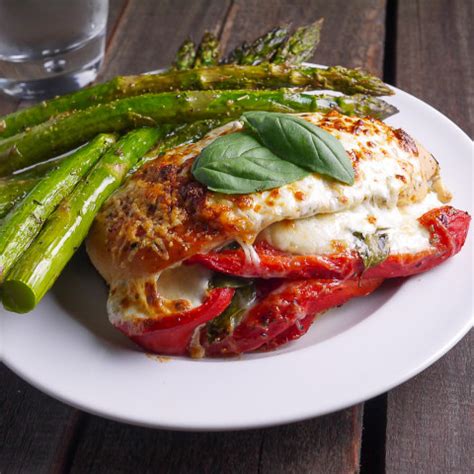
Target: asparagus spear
(13,191)
(261,50)
(15,188)
(208,51)
(301,45)
(40,265)
(185,56)
(348,81)
(24,221)
(62,134)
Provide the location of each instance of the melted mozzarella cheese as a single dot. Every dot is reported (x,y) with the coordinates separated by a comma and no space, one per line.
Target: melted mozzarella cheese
(187,284)
(381,183)
(324,234)
(184,282)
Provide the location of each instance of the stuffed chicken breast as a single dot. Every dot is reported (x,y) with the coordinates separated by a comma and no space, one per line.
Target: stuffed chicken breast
(192,271)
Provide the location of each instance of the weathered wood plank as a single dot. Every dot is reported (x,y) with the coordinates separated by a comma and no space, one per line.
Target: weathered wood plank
(34,428)
(352,35)
(430,424)
(434,56)
(152,32)
(315,446)
(430,427)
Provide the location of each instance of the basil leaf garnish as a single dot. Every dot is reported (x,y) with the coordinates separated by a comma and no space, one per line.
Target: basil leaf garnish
(373,248)
(221,280)
(301,143)
(238,164)
(224,324)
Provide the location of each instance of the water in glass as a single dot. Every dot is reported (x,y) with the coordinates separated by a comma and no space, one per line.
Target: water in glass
(48,47)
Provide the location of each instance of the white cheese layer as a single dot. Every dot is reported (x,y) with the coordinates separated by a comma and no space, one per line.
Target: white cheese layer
(324,234)
(384,173)
(184,283)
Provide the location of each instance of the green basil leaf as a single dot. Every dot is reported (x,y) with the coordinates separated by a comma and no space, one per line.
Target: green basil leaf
(224,324)
(373,248)
(221,280)
(238,164)
(301,143)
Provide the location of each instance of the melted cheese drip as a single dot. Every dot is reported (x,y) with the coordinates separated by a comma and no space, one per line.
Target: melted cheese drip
(182,282)
(324,234)
(251,255)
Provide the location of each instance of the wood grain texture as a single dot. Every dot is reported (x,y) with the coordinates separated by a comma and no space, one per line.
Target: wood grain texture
(322,445)
(434,46)
(430,419)
(35,430)
(352,35)
(152,31)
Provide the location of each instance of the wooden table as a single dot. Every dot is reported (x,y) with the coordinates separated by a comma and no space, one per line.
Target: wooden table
(424,426)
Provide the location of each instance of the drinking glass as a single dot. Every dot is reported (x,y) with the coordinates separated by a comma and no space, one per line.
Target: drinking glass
(49,47)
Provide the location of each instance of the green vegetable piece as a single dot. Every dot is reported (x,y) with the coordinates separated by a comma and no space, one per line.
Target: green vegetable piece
(231,76)
(25,220)
(62,234)
(221,280)
(13,191)
(261,50)
(185,56)
(301,45)
(226,322)
(372,248)
(208,52)
(301,143)
(239,164)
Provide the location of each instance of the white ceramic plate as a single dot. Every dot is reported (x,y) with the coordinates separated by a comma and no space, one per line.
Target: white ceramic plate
(67,348)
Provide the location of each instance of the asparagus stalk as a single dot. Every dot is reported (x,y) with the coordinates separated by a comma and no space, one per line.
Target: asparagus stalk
(185,56)
(348,81)
(40,265)
(208,51)
(55,137)
(13,191)
(301,45)
(261,50)
(15,188)
(24,221)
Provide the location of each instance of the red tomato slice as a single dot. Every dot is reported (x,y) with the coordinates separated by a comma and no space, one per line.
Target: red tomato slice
(447,226)
(171,334)
(282,308)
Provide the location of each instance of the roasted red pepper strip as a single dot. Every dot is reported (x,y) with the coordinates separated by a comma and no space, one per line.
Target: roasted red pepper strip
(277,264)
(450,227)
(282,308)
(171,334)
(448,231)
(300,328)
(447,226)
